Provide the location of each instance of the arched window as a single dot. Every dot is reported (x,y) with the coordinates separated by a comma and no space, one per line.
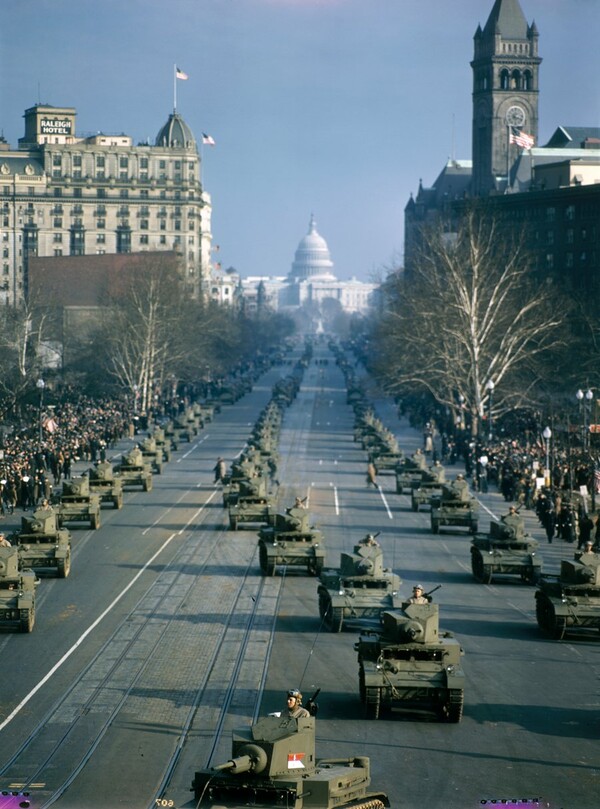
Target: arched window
(515,80)
(504,79)
(527,80)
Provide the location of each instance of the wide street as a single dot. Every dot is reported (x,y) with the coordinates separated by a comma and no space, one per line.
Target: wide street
(166,636)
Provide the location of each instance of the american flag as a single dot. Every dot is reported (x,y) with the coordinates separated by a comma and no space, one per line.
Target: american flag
(208,140)
(179,74)
(522,139)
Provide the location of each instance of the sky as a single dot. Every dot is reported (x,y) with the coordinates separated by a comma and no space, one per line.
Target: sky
(331,107)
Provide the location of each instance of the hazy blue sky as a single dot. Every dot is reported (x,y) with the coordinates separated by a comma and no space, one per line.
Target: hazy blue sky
(332,106)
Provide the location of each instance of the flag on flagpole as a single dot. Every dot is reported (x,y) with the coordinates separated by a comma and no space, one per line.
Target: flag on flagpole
(522,139)
(179,74)
(208,140)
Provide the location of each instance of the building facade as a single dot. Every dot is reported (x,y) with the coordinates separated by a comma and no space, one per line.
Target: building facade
(311,280)
(552,192)
(64,195)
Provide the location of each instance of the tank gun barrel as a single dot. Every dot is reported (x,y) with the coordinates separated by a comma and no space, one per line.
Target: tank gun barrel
(239,764)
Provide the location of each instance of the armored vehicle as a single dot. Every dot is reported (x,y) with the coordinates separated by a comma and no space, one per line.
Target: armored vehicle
(571,600)
(104,483)
(455,507)
(291,541)
(43,546)
(411,664)
(152,454)
(386,459)
(134,471)
(253,503)
(410,471)
(361,588)
(182,430)
(273,763)
(78,504)
(506,549)
(162,443)
(429,487)
(171,434)
(17,592)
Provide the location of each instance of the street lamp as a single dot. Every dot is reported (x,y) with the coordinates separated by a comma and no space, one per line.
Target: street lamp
(490,389)
(585,403)
(547,436)
(40,385)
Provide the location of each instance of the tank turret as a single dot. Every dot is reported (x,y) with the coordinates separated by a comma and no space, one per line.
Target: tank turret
(42,521)
(296,519)
(274,763)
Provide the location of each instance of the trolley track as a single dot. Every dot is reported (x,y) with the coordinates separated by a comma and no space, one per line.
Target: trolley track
(80,719)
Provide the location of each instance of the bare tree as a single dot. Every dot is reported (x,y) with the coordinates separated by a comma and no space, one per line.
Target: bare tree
(468,319)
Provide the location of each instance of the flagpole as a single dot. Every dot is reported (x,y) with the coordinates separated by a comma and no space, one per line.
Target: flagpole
(174,89)
(507,156)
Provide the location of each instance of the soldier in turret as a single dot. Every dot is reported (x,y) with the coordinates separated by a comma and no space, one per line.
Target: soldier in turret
(513,520)
(294,704)
(417,596)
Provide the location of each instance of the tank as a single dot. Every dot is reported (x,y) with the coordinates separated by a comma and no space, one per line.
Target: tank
(410,664)
(134,470)
(17,592)
(78,504)
(162,443)
(152,454)
(362,588)
(291,541)
(273,763)
(570,602)
(43,546)
(507,549)
(104,483)
(454,508)
(182,430)
(430,486)
(253,503)
(410,471)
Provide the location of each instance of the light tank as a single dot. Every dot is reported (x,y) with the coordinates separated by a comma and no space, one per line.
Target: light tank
(78,504)
(104,483)
(430,486)
(163,443)
(43,546)
(411,664)
(409,471)
(361,588)
(273,763)
(507,549)
(455,508)
(134,470)
(292,541)
(570,601)
(17,592)
(152,454)
(253,504)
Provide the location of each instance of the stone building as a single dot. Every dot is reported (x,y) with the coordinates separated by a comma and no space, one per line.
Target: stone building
(310,281)
(67,195)
(552,191)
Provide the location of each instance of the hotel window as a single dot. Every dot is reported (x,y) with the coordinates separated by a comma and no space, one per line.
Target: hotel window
(144,238)
(101,238)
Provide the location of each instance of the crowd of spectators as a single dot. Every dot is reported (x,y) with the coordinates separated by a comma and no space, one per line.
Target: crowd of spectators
(32,466)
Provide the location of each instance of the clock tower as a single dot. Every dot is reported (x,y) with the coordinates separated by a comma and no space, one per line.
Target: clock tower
(505,92)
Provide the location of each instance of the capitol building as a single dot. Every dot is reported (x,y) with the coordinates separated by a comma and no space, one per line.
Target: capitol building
(311,281)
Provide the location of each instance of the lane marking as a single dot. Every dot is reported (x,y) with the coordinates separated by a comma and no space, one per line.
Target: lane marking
(93,626)
(191,449)
(335,499)
(385,503)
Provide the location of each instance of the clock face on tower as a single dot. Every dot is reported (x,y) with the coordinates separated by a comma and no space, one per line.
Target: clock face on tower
(515,116)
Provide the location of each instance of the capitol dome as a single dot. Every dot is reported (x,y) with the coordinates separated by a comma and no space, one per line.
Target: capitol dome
(312,260)
(176,134)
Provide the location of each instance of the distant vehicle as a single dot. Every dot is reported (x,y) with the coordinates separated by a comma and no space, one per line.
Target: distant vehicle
(43,546)
(506,549)
(78,504)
